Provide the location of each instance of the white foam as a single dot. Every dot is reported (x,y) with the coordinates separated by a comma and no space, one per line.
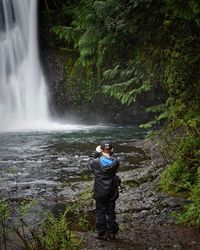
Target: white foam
(51,126)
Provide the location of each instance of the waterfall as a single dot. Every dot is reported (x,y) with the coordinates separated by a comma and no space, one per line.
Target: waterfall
(23,92)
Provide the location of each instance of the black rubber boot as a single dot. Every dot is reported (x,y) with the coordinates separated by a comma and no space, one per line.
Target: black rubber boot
(111,236)
(101,236)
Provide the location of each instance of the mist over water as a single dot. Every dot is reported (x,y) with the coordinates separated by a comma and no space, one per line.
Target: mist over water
(23,92)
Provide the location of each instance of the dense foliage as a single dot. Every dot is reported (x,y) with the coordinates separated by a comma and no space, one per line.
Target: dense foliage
(128,48)
(34,230)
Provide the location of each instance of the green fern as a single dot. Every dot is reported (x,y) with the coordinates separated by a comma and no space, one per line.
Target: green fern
(62,32)
(183,173)
(184,9)
(191,212)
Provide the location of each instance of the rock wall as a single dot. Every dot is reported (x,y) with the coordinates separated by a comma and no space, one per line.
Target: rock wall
(58,65)
(107,109)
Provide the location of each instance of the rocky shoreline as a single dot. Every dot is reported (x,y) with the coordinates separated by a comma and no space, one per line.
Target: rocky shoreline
(143,211)
(139,193)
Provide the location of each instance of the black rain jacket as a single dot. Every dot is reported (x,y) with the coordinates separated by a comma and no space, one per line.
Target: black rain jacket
(106,181)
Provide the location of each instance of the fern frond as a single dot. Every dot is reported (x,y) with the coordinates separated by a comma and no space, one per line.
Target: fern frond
(112,73)
(156,108)
(102,9)
(63,32)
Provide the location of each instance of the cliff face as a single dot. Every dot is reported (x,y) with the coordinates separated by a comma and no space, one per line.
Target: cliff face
(66,81)
(64,105)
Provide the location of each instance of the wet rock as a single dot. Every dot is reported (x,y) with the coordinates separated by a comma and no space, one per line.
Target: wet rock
(73,191)
(173,202)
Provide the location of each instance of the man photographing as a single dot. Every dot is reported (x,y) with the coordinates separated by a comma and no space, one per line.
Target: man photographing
(104,166)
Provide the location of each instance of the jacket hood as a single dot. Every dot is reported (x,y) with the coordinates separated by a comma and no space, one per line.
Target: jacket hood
(108,163)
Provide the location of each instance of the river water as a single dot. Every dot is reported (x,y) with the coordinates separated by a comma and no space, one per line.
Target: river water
(33,163)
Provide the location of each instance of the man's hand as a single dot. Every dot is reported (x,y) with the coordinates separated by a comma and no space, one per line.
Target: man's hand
(98,149)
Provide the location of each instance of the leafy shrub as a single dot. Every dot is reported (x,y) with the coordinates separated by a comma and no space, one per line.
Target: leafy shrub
(45,233)
(5,216)
(56,234)
(191,212)
(182,174)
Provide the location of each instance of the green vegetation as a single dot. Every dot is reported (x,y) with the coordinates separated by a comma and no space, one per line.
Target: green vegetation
(34,230)
(135,49)
(37,229)
(77,213)
(57,234)
(4,218)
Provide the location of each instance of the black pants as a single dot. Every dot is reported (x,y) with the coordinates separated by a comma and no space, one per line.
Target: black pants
(106,217)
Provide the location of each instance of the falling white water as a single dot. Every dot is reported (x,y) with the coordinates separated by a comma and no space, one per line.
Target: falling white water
(23,93)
